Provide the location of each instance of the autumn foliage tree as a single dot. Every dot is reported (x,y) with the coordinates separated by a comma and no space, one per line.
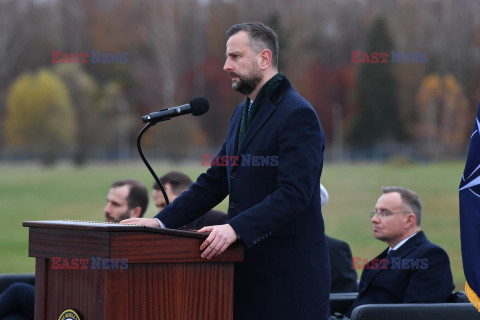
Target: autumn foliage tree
(39,116)
(443,117)
(176,51)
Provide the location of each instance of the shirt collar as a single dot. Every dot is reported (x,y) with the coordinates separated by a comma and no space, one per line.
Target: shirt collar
(250,105)
(401,243)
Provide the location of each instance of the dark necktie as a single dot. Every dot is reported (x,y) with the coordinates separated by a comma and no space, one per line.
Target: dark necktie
(391,253)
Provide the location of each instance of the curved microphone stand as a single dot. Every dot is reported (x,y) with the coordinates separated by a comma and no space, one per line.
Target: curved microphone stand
(139,147)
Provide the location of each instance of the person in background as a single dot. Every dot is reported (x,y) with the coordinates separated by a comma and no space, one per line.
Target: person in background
(344,277)
(411,269)
(17,302)
(175,183)
(126,199)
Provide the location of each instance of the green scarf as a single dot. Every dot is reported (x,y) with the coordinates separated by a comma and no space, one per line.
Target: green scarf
(250,113)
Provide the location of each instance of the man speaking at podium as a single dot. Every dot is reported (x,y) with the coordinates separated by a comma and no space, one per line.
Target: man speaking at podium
(277,143)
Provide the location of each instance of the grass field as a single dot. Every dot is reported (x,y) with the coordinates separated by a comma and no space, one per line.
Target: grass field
(63,192)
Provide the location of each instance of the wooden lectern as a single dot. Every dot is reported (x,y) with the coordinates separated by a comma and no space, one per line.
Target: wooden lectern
(115,271)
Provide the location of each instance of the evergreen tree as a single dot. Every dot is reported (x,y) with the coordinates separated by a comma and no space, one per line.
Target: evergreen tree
(377,117)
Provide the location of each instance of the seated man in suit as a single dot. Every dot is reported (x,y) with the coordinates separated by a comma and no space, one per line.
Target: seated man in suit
(17,301)
(343,276)
(175,183)
(126,199)
(411,269)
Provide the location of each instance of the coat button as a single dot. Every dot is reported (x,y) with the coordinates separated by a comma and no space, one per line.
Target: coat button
(232,205)
(233,175)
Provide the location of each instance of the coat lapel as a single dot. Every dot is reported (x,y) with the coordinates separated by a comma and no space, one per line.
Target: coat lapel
(263,114)
(401,252)
(410,245)
(233,145)
(371,273)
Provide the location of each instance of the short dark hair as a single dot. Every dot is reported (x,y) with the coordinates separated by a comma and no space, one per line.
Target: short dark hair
(137,196)
(179,182)
(410,201)
(261,37)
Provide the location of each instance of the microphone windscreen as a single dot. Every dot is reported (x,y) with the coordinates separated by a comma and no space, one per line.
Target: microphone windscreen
(199,105)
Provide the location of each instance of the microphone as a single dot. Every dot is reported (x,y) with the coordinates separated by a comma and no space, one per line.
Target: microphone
(196,106)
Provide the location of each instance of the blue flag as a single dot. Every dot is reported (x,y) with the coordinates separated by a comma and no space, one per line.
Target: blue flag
(469,193)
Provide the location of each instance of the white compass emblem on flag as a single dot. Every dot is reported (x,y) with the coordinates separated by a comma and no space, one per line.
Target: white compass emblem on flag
(471,176)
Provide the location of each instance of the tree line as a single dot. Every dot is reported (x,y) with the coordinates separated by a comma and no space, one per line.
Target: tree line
(152,54)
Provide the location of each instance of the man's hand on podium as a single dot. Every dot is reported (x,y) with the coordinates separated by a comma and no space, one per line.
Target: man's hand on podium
(221,236)
(143,221)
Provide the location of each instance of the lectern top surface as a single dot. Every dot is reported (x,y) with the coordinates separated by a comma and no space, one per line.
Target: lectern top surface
(107,227)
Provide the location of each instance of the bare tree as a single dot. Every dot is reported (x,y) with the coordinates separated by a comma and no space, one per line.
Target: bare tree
(14,34)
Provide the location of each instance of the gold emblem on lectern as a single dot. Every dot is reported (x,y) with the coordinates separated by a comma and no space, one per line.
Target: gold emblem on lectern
(69,314)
